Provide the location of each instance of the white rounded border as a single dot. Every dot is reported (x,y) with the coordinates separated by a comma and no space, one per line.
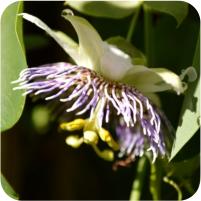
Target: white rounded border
(5,3)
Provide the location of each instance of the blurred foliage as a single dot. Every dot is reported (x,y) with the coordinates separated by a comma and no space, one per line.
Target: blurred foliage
(41,118)
(110,9)
(179,10)
(43,167)
(121,9)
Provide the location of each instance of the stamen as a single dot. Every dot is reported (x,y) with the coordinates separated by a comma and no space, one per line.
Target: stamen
(106,154)
(76,124)
(111,99)
(92,101)
(90,137)
(74,141)
(107,112)
(75,93)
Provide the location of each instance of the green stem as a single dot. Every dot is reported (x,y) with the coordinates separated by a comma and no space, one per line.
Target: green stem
(175,186)
(148,34)
(139,180)
(133,25)
(155,181)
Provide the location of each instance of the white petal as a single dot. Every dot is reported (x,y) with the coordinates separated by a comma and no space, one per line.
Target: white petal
(114,62)
(63,40)
(90,43)
(95,54)
(154,79)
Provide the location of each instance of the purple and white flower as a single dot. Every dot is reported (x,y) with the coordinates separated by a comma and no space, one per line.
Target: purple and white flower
(106,85)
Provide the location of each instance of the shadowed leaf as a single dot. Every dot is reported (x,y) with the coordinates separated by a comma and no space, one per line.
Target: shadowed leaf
(177,9)
(189,118)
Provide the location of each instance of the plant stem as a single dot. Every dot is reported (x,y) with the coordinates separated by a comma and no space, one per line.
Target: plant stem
(139,180)
(175,186)
(155,181)
(133,25)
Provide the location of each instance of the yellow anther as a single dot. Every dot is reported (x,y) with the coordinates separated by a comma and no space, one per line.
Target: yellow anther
(74,141)
(107,137)
(104,135)
(91,134)
(105,154)
(108,154)
(90,125)
(90,137)
(76,124)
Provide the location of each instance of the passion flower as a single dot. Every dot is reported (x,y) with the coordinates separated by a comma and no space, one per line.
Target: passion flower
(105,85)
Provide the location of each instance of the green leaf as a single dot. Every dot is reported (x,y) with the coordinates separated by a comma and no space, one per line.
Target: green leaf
(177,9)
(190,113)
(183,168)
(13,61)
(8,188)
(109,9)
